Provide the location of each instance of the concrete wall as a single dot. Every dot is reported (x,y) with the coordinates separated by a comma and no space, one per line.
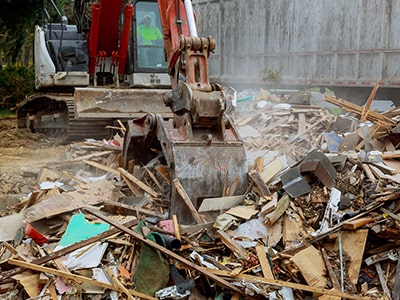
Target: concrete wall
(310,42)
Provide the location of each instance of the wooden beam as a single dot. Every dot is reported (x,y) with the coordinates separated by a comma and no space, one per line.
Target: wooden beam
(77,278)
(171,254)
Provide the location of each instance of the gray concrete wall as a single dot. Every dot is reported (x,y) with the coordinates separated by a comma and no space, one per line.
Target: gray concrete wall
(310,42)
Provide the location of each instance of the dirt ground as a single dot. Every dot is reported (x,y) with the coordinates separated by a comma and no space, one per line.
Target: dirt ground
(22,153)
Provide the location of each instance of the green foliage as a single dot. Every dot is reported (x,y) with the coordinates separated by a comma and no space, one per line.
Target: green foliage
(271,76)
(17,20)
(15,84)
(6,113)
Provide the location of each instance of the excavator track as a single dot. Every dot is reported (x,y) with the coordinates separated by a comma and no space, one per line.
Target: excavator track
(54,116)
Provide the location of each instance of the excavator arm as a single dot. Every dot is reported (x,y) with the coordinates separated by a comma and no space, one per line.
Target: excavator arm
(187,56)
(200,145)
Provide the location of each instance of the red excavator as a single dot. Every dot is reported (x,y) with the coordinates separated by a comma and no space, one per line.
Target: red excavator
(141,62)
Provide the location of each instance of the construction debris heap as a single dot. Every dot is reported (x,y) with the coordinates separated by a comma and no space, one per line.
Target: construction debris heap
(319,220)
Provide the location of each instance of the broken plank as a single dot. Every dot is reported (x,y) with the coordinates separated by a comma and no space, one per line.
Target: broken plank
(259,164)
(329,297)
(101,167)
(176,227)
(243,212)
(77,278)
(154,178)
(271,205)
(262,187)
(273,168)
(283,204)
(302,124)
(190,229)
(332,274)
(139,183)
(171,254)
(188,202)
(30,282)
(235,247)
(293,232)
(391,154)
(368,172)
(117,284)
(262,258)
(354,224)
(135,190)
(130,210)
(367,104)
(372,115)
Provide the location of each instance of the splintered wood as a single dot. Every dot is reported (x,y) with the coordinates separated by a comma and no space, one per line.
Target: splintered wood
(294,131)
(370,116)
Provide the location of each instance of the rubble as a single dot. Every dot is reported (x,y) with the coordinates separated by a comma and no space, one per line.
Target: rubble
(319,220)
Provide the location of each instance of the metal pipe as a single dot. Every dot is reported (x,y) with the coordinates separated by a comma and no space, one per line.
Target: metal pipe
(190,17)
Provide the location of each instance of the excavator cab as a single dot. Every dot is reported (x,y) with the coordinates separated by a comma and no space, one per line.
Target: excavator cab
(150,50)
(113,43)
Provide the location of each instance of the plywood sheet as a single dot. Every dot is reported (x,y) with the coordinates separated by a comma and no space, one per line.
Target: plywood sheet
(353,245)
(91,194)
(311,265)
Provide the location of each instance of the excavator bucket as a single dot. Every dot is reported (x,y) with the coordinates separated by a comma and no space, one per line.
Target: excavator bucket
(204,162)
(205,172)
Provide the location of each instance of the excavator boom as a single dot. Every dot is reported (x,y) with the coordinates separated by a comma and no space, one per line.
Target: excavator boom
(200,144)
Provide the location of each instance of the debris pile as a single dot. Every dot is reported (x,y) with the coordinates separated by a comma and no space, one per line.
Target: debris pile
(319,220)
